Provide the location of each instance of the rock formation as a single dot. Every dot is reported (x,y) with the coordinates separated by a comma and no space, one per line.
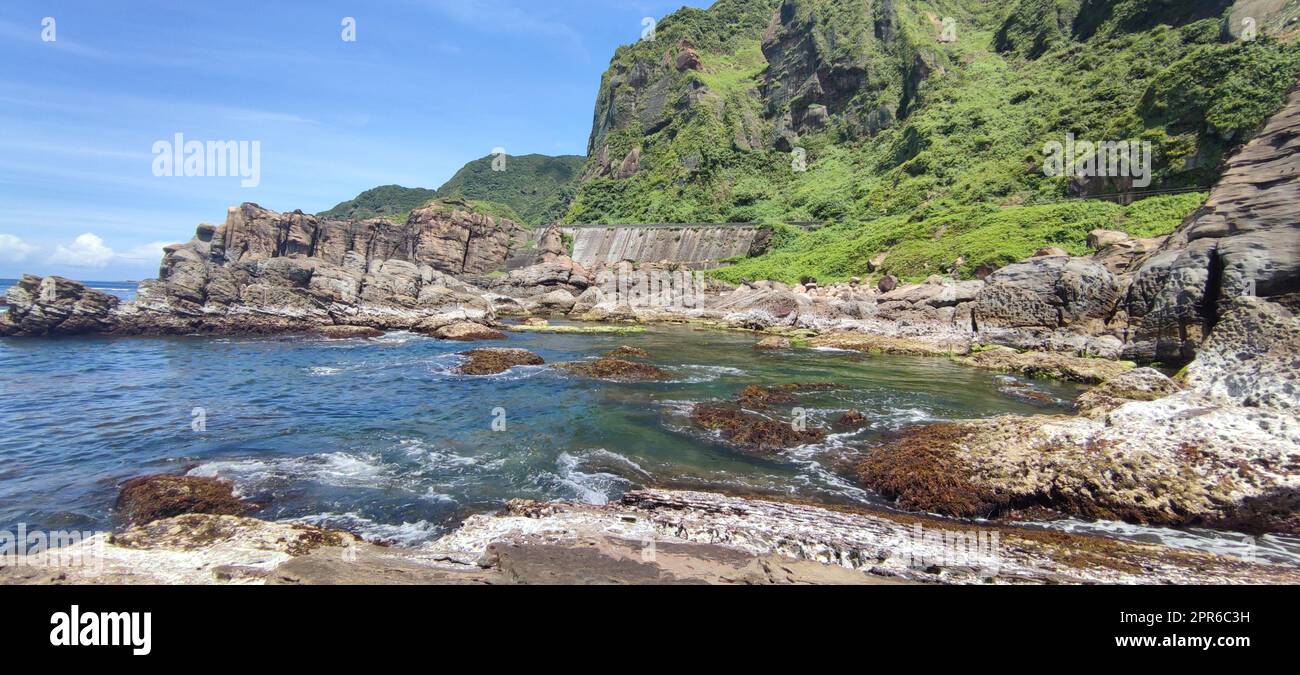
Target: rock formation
(264,271)
(1221,452)
(648,537)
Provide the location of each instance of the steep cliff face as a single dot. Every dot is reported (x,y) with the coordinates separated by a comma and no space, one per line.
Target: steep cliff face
(450,241)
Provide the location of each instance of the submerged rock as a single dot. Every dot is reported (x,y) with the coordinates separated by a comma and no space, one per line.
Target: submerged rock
(497,360)
(349,332)
(625,351)
(752,433)
(1052,365)
(775,342)
(617,369)
(149,498)
(761,397)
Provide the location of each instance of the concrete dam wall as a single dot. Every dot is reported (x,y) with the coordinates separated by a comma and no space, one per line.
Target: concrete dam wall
(700,246)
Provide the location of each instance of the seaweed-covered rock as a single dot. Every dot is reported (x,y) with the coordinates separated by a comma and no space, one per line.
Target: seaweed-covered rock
(496,360)
(617,369)
(1142,384)
(758,396)
(1047,364)
(349,332)
(149,498)
(625,351)
(853,419)
(752,433)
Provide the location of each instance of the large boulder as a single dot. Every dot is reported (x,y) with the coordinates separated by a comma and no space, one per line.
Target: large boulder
(57,306)
(1049,292)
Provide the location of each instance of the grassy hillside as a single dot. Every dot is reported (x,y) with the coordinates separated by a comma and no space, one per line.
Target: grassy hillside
(387,201)
(906,135)
(533,190)
(537,187)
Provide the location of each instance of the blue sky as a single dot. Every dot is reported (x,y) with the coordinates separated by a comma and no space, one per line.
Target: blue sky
(427,86)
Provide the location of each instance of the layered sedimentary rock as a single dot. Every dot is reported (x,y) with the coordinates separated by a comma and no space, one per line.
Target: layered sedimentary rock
(648,537)
(263,271)
(54,305)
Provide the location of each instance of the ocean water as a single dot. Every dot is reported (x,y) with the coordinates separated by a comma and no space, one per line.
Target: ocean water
(381,438)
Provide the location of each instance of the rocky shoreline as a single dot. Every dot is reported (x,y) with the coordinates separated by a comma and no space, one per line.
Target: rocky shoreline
(648,537)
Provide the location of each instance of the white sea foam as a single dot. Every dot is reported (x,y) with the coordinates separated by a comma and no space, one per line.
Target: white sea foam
(695,374)
(1268,548)
(591,488)
(339,469)
(404,534)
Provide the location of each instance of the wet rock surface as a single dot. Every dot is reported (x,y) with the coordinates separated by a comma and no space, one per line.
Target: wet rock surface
(493,361)
(1223,450)
(1046,364)
(649,536)
(617,369)
(149,498)
(349,332)
(753,433)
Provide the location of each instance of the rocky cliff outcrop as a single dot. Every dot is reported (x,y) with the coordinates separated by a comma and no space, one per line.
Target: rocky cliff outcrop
(56,306)
(263,271)
(1245,241)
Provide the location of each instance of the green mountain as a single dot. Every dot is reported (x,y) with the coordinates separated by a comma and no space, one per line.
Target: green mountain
(532,190)
(537,187)
(920,128)
(387,201)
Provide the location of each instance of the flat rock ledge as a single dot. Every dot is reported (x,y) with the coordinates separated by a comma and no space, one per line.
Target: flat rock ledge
(649,537)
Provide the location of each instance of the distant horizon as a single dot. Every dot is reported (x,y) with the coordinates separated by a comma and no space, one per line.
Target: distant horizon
(424,89)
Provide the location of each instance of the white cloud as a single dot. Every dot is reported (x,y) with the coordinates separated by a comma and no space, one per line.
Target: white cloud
(90,251)
(13,249)
(87,250)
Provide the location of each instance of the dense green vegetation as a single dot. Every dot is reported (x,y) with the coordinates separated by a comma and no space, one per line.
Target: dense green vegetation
(533,190)
(536,187)
(966,238)
(933,135)
(387,201)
